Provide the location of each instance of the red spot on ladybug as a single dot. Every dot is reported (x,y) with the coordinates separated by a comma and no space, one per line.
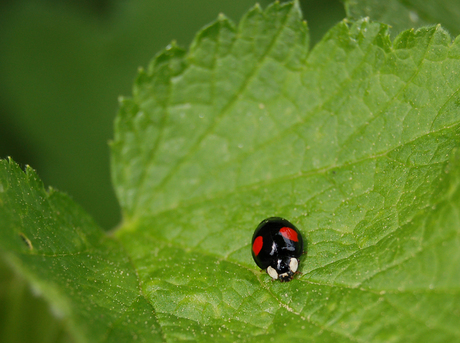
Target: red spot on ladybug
(289,233)
(257,245)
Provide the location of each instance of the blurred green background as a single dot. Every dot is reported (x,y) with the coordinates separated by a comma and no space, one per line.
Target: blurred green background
(63,64)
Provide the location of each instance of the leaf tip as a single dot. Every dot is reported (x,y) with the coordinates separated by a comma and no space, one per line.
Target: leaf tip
(171,46)
(221,17)
(257,5)
(297,5)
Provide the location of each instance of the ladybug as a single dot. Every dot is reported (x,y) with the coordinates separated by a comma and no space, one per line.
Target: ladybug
(276,246)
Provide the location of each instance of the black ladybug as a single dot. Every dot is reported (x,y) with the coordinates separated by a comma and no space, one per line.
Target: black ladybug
(276,246)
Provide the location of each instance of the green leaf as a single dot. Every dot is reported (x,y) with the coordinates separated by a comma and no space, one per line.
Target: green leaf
(353,142)
(85,275)
(403,15)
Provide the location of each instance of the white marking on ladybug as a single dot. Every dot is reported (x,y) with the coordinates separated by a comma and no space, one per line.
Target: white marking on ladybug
(272,272)
(293,265)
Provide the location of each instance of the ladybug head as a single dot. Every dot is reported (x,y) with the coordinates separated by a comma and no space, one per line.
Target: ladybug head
(283,269)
